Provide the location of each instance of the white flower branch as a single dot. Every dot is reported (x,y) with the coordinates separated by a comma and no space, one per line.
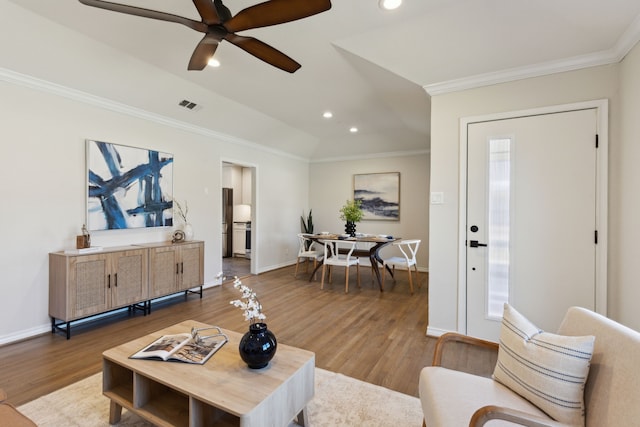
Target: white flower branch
(248,302)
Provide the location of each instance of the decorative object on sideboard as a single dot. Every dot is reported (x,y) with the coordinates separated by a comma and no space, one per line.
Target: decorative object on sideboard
(178,236)
(351,213)
(127,187)
(379,194)
(258,346)
(83,241)
(186,226)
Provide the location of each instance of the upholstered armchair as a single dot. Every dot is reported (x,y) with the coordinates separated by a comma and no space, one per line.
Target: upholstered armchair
(451,398)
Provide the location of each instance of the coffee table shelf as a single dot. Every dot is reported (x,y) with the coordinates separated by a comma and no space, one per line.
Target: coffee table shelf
(224,391)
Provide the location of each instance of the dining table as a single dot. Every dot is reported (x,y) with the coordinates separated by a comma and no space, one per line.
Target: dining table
(373,252)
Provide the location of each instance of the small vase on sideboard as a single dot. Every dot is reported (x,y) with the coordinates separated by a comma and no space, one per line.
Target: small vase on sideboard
(188,231)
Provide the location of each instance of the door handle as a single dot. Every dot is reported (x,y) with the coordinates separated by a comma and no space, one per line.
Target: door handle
(475,244)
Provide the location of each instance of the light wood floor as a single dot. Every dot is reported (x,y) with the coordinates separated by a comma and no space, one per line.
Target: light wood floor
(375,337)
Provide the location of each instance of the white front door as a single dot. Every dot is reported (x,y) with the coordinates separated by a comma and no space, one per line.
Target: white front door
(531,199)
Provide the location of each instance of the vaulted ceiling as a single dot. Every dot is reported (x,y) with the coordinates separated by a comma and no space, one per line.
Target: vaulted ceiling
(373,69)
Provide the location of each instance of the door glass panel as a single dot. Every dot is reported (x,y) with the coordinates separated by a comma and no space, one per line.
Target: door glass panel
(499,199)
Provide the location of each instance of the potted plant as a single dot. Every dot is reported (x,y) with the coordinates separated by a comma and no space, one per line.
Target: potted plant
(351,212)
(307,227)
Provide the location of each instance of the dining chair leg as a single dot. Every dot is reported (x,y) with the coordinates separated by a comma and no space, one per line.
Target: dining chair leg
(346,280)
(358,274)
(417,276)
(384,273)
(322,283)
(410,281)
(295,275)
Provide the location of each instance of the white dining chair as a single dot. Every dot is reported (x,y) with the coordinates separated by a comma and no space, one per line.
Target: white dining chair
(408,248)
(333,257)
(308,250)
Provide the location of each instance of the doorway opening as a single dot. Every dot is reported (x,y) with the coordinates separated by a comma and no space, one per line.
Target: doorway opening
(238,228)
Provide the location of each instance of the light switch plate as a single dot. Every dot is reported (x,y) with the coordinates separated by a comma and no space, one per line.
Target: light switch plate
(437,197)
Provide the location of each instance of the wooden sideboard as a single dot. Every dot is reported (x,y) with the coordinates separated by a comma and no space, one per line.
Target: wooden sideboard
(87,284)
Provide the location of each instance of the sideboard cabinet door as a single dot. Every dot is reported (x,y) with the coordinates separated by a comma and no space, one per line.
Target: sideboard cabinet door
(164,271)
(191,265)
(87,286)
(128,277)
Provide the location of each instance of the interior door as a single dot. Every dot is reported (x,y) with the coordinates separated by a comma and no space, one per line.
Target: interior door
(531,218)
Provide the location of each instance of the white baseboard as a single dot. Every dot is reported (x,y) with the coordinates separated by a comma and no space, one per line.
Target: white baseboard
(23,335)
(436,332)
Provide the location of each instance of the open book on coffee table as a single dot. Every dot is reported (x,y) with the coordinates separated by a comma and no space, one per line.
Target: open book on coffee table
(186,348)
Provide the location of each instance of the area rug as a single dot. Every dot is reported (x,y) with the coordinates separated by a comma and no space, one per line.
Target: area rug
(339,401)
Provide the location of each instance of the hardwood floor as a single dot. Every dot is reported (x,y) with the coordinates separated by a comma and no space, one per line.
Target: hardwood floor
(373,336)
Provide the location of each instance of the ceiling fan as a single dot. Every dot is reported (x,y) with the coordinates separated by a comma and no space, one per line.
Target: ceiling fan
(218,24)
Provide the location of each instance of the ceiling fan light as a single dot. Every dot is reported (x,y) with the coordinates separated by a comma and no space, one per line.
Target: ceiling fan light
(213,62)
(389,4)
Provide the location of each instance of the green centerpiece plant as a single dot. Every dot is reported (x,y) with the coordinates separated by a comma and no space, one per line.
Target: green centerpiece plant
(351,212)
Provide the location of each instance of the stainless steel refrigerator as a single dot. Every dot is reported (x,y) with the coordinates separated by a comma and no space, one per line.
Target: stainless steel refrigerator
(227,222)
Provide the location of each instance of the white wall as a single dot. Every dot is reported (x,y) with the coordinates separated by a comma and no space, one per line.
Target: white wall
(331,184)
(624,198)
(447,110)
(44,186)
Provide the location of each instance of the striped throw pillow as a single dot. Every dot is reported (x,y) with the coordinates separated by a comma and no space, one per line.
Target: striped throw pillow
(547,369)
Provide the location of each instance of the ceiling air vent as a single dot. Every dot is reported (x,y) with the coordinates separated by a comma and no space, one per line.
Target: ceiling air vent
(189,105)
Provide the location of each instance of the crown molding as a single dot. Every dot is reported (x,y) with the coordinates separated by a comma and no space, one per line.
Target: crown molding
(371,156)
(31,82)
(625,43)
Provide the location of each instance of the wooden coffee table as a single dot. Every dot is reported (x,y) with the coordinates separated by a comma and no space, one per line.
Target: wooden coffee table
(223,391)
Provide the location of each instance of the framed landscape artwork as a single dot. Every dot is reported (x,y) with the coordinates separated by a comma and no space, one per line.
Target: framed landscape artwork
(128,187)
(380,195)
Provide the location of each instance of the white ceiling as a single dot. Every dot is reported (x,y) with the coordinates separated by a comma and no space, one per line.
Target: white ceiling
(368,66)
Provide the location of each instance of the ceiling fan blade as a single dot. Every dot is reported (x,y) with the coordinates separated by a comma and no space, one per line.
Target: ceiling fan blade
(203,52)
(264,52)
(275,12)
(207,11)
(146,13)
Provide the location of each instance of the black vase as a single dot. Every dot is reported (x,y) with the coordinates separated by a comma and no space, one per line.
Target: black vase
(258,346)
(350,228)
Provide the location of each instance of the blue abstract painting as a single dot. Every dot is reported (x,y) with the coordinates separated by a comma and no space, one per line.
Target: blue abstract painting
(128,187)
(379,194)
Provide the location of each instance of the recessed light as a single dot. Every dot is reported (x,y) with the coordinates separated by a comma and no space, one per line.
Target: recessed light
(353,129)
(327,114)
(389,4)
(213,62)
